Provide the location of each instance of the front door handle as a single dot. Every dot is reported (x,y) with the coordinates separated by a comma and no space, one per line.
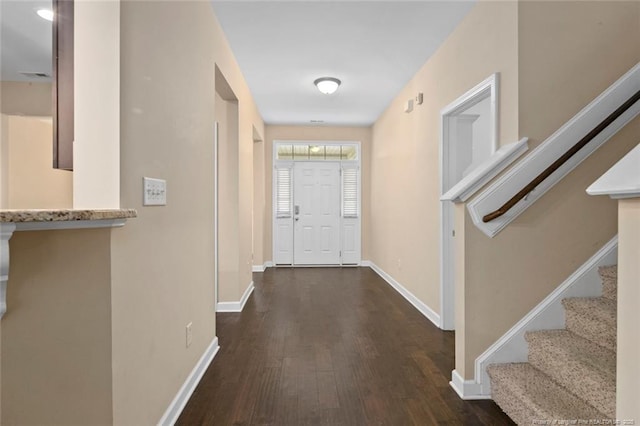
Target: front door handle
(296,210)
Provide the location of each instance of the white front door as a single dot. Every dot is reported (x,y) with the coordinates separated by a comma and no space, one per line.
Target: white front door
(316,211)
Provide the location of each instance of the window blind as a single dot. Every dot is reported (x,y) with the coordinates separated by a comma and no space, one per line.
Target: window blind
(283,192)
(350,192)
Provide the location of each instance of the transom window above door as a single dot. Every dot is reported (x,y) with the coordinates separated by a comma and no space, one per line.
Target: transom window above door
(315,152)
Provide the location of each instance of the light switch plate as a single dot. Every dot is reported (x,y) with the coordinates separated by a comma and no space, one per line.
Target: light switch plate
(154,192)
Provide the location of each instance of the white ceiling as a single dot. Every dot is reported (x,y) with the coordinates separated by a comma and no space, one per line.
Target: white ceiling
(374,47)
(25,40)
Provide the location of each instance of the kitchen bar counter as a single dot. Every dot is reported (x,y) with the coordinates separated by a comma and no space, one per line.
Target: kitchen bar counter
(45,220)
(23,216)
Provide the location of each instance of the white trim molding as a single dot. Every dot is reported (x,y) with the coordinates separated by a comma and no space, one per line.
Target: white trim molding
(263,267)
(216,215)
(461,192)
(411,298)
(454,113)
(488,88)
(547,315)
(551,149)
(486,171)
(75,224)
(172,413)
(622,180)
(466,389)
(235,306)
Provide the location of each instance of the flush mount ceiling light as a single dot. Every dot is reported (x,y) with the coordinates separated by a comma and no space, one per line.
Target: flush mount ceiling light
(327,85)
(45,14)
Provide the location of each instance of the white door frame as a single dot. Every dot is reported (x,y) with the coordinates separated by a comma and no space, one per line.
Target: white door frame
(487,88)
(357,163)
(215,213)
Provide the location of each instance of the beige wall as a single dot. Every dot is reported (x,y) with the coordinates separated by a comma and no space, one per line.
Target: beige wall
(56,333)
(628,309)
(303,133)
(405,179)
(561,69)
(162,262)
(29,180)
(570,52)
(25,98)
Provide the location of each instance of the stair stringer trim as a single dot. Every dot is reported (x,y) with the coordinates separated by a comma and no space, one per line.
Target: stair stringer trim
(547,315)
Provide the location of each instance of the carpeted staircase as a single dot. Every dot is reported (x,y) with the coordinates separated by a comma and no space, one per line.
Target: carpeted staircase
(571,373)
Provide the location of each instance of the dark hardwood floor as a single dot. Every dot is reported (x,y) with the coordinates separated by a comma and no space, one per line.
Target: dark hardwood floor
(331,346)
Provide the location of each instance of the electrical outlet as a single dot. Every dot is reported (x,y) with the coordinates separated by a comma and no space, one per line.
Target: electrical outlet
(189,334)
(154,192)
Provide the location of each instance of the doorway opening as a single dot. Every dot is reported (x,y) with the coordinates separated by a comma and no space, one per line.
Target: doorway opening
(226,201)
(469,137)
(316,203)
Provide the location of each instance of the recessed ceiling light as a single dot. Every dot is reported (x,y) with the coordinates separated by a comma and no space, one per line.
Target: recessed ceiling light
(45,14)
(327,85)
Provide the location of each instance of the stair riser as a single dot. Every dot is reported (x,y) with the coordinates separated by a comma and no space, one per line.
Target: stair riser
(527,394)
(592,329)
(609,276)
(610,288)
(516,408)
(588,384)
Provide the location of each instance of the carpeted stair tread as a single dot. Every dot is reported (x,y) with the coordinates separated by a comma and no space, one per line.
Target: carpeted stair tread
(599,308)
(609,276)
(593,318)
(527,394)
(586,369)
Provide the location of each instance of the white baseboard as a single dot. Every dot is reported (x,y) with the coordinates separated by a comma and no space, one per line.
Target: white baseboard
(182,397)
(547,315)
(235,306)
(411,298)
(466,389)
(263,267)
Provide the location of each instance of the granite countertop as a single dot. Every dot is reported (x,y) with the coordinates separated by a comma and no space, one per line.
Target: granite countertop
(23,216)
